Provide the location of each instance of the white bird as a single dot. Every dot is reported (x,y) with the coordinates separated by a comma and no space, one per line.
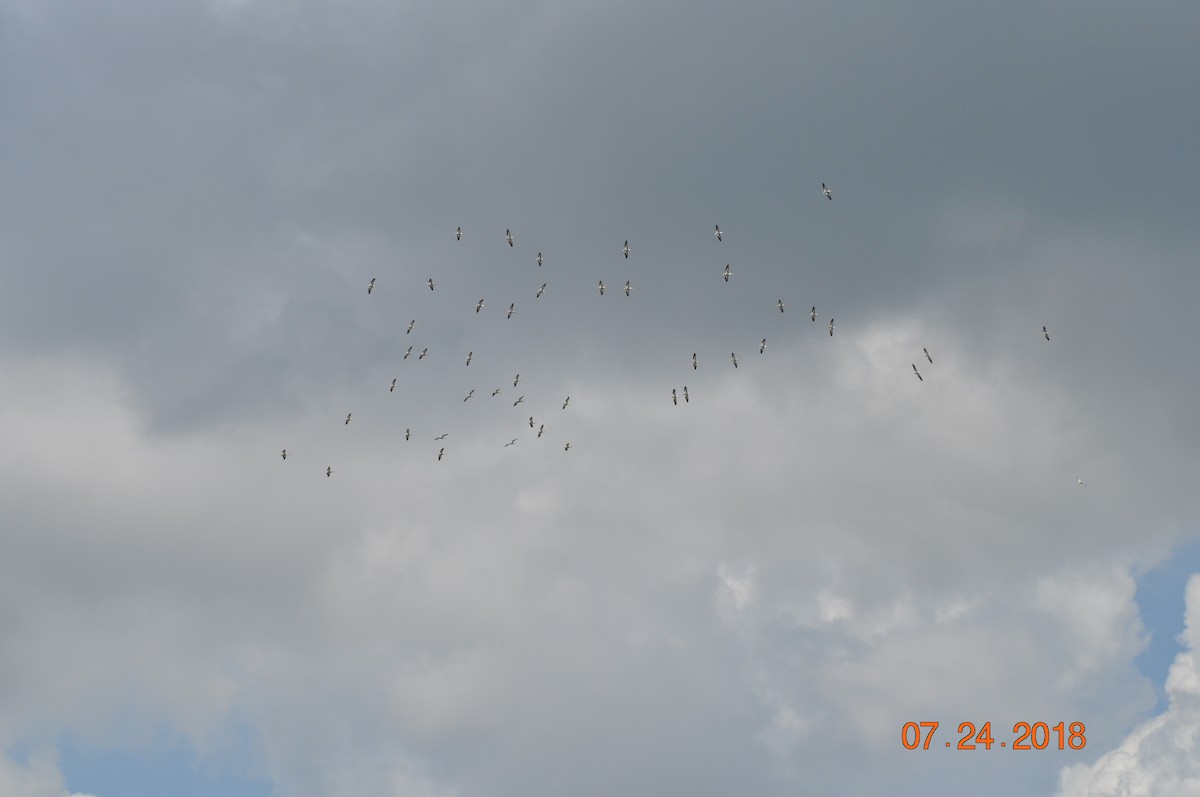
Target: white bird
(540,291)
(565,403)
(511,442)
(421,356)
(440,452)
(407,433)
(472,393)
(393,386)
(430,284)
(508,236)
(927,357)
(518,401)
(407,352)
(674,399)
(516,379)
(1045,333)
(458,234)
(813,314)
(831,327)
(779,304)
(539,259)
(628,287)
(478,305)
(601,286)
(918,373)
(440,437)
(826,192)
(510,310)
(1082,483)
(567,447)
(530,421)
(371,286)
(411,324)
(347,419)
(328,471)
(626,250)
(693,361)
(733,359)
(718,232)
(762,346)
(541,428)
(494,392)
(470,354)
(727,273)
(283,453)
(685,394)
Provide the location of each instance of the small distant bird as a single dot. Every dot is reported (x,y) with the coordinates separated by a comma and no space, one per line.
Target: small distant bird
(1082,483)
(495,392)
(458,234)
(516,379)
(393,386)
(1045,334)
(518,401)
(508,236)
(411,324)
(539,259)
(674,399)
(831,327)
(813,314)
(567,447)
(826,192)
(762,346)
(530,421)
(626,250)
(370,286)
(727,273)
(541,428)
(283,453)
(779,304)
(628,287)
(347,419)
(478,305)
(693,361)
(685,394)
(470,354)
(407,433)
(733,359)
(511,442)
(540,291)
(918,373)
(421,356)
(441,451)
(407,352)
(718,232)
(927,357)
(601,286)
(441,437)
(430,284)
(565,403)
(328,472)
(472,393)
(511,307)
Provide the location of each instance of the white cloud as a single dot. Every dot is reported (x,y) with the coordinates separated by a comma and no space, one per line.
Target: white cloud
(39,776)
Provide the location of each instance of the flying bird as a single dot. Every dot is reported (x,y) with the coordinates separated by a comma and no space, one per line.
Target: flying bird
(510,310)
(458,234)
(565,403)
(516,379)
(813,314)
(407,433)
(831,327)
(283,453)
(628,287)
(470,354)
(472,393)
(393,386)
(718,232)
(440,452)
(478,305)
(539,259)
(626,250)
(411,324)
(1082,483)
(918,373)
(328,472)
(541,428)
(494,392)
(685,394)
(567,447)
(693,361)
(508,236)
(421,356)
(440,437)
(762,346)
(1045,334)
(518,401)
(347,419)
(407,352)
(733,359)
(727,273)
(511,442)
(674,399)
(430,284)
(826,192)
(601,286)
(540,291)
(370,286)
(530,421)
(927,357)
(779,304)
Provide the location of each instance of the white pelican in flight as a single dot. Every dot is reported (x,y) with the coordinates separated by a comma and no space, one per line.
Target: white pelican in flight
(283,453)
(508,236)
(458,234)
(826,192)
(393,386)
(407,352)
(539,259)
(431,284)
(540,291)
(685,394)
(470,355)
(472,393)
(628,287)
(516,379)
(424,352)
(762,346)
(411,324)
(567,447)
(927,357)
(511,310)
(727,273)
(370,286)
(441,451)
(567,402)
(831,327)
(779,304)
(347,419)
(718,233)
(328,471)
(674,398)
(1045,334)
(519,401)
(601,287)
(733,359)
(478,305)
(918,373)
(813,313)
(693,361)
(626,250)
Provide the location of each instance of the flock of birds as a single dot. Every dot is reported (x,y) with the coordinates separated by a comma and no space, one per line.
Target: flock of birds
(676,394)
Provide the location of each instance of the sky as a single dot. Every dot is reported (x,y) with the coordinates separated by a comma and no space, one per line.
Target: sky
(749,591)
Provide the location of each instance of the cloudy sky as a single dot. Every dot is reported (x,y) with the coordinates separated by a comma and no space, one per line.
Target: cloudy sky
(748,592)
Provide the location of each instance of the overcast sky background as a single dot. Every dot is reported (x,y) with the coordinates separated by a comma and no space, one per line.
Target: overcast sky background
(747,593)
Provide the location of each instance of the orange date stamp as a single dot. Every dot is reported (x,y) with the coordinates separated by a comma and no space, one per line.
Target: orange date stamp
(1026,736)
